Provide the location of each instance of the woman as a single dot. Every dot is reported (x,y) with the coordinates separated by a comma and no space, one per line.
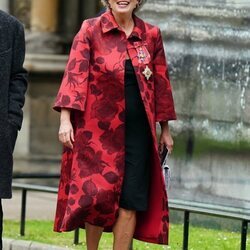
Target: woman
(115,88)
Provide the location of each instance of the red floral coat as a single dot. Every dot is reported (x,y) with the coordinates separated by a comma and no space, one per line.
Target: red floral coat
(93,88)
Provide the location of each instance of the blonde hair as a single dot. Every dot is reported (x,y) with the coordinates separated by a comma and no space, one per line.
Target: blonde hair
(106,4)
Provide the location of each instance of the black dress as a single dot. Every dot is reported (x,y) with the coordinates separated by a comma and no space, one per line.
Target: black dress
(138,144)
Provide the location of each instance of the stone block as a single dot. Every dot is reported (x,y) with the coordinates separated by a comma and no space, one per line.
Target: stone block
(20,245)
(44,140)
(7,244)
(222,104)
(53,117)
(41,86)
(39,111)
(246,106)
(39,246)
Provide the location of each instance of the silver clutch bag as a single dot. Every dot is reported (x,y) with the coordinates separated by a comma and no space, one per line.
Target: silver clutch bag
(165,167)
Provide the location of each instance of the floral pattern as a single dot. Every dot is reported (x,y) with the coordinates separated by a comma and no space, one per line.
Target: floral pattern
(93,88)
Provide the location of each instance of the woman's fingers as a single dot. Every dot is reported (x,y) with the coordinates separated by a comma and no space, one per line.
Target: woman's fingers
(166,141)
(170,145)
(68,142)
(72,136)
(66,139)
(170,148)
(62,137)
(66,135)
(161,147)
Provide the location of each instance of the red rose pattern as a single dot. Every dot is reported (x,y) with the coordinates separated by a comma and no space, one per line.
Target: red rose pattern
(105,201)
(89,188)
(93,88)
(112,140)
(104,110)
(111,177)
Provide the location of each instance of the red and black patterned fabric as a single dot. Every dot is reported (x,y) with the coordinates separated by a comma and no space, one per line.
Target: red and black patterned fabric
(93,88)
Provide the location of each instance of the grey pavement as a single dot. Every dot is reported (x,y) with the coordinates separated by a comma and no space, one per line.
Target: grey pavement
(40,206)
(10,244)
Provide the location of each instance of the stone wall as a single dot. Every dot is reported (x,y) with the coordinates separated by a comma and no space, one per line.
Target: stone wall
(4,5)
(39,135)
(208,51)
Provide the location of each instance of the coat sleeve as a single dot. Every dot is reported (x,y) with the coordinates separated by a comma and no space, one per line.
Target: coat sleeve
(164,103)
(18,78)
(73,90)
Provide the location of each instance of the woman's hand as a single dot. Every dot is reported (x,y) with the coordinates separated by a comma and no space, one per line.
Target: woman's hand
(166,139)
(66,132)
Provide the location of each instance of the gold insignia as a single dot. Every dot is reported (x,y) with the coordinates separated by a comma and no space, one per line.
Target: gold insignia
(147,72)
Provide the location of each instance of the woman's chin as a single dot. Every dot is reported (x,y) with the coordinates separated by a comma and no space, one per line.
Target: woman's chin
(121,10)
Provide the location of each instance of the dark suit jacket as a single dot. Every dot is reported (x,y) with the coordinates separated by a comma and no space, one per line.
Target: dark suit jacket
(13,85)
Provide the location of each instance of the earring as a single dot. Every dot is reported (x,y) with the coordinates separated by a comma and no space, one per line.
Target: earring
(139,3)
(109,6)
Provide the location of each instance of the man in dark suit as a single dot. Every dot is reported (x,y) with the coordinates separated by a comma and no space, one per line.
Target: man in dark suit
(13,85)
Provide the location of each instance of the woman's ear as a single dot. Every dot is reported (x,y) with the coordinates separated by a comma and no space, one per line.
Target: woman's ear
(109,6)
(139,2)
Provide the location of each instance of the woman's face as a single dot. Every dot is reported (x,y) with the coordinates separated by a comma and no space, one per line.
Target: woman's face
(123,6)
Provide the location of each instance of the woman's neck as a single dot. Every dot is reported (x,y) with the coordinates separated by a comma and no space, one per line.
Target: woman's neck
(125,21)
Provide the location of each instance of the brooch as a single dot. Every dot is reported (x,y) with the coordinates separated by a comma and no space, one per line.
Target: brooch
(143,54)
(147,72)
(143,57)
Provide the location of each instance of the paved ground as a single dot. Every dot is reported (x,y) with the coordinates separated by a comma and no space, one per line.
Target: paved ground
(39,206)
(10,244)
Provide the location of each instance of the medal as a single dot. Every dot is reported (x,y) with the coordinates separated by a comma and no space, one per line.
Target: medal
(142,54)
(147,72)
(143,58)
